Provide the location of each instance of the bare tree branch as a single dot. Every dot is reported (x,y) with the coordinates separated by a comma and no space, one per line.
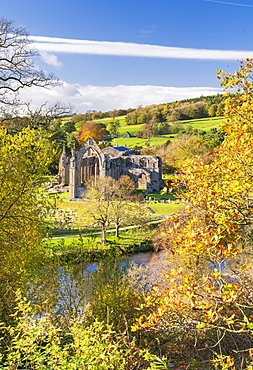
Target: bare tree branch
(17,68)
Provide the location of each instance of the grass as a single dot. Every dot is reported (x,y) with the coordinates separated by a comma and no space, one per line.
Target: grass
(126,237)
(132,129)
(89,247)
(164,209)
(159,208)
(132,142)
(205,124)
(121,120)
(66,204)
(83,248)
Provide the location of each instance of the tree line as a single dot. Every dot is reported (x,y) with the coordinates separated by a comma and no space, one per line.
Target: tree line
(202,107)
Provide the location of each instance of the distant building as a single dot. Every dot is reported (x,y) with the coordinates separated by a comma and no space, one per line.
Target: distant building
(90,160)
(127,135)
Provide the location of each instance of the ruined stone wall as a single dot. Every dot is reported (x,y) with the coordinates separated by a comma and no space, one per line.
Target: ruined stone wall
(146,171)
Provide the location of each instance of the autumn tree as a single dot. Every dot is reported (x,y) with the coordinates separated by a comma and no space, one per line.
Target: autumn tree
(209,286)
(110,204)
(24,158)
(91,129)
(182,148)
(125,207)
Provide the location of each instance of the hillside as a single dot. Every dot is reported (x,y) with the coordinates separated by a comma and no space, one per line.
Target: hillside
(149,126)
(203,125)
(204,106)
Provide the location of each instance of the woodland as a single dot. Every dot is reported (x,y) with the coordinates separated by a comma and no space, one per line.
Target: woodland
(198,314)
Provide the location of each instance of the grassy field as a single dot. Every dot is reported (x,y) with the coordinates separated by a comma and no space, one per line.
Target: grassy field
(69,217)
(89,248)
(133,142)
(132,129)
(159,208)
(164,209)
(126,237)
(205,123)
(200,123)
(106,120)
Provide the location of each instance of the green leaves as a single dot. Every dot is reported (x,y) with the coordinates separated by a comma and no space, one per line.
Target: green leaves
(23,161)
(37,343)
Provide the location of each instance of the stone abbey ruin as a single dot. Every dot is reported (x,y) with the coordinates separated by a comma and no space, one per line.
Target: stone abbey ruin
(90,160)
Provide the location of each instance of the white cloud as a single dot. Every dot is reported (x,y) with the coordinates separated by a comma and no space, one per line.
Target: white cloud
(60,45)
(50,59)
(104,98)
(227,3)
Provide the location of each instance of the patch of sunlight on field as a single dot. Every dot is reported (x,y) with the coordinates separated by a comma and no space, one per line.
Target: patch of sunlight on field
(205,124)
(165,208)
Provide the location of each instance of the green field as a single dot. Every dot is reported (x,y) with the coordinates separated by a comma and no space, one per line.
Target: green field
(200,123)
(164,209)
(70,208)
(106,120)
(205,124)
(89,248)
(126,237)
(135,141)
(159,208)
(132,129)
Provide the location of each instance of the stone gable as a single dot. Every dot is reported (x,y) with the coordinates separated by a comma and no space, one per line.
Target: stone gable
(91,161)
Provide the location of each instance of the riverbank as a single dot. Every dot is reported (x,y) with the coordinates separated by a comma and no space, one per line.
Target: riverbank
(88,248)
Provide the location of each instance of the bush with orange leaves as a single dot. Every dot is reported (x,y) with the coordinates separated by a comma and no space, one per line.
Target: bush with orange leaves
(91,129)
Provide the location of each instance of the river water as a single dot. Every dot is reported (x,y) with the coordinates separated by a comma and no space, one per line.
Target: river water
(152,261)
(142,270)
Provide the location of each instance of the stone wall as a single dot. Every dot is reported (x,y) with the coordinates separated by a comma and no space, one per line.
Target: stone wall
(90,160)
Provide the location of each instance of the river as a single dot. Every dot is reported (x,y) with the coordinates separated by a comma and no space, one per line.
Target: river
(142,270)
(153,261)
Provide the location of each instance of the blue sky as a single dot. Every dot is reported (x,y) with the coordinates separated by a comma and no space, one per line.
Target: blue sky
(121,54)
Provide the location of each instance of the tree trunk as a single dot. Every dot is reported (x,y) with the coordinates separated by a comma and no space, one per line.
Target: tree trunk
(103,235)
(117,230)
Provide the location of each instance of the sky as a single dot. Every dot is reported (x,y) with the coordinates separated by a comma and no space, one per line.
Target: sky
(128,53)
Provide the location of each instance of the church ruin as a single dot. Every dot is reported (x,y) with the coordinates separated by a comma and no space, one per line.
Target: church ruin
(90,160)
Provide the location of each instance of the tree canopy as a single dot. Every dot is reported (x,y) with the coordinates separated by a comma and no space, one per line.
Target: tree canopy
(25,154)
(110,203)
(93,129)
(209,285)
(24,158)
